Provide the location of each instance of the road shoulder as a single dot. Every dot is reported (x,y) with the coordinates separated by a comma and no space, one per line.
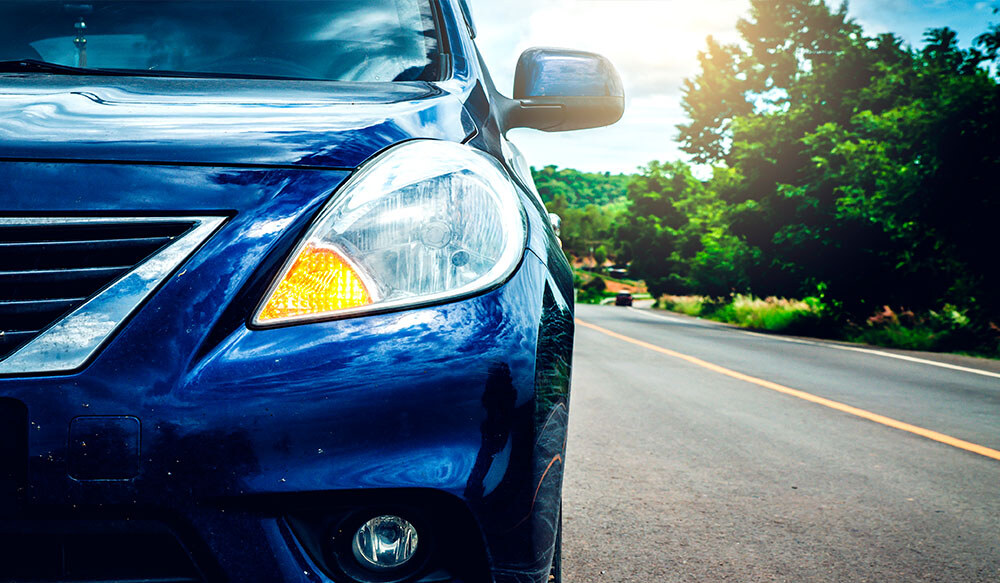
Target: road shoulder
(945,358)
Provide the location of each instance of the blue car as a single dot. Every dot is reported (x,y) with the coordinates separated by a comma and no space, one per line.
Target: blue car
(278,299)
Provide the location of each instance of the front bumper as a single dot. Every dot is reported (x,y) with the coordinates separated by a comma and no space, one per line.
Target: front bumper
(234,441)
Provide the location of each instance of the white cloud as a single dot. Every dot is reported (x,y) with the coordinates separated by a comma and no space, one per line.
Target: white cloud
(654,44)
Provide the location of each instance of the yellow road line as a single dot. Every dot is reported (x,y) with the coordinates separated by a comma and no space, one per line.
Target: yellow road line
(881,419)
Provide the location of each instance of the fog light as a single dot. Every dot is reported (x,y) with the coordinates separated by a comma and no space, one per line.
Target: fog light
(385,542)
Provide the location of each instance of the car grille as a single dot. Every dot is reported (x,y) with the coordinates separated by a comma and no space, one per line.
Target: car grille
(131,551)
(49,267)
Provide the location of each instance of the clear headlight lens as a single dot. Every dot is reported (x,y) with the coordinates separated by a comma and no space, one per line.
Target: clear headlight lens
(424,221)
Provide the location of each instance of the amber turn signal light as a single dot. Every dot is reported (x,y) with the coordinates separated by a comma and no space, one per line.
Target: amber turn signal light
(320,280)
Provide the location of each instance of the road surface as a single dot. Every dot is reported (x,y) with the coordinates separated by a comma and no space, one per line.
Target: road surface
(698,452)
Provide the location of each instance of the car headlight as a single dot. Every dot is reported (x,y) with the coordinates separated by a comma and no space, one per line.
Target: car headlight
(424,222)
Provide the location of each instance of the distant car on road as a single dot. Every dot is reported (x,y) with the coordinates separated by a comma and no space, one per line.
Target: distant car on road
(623,299)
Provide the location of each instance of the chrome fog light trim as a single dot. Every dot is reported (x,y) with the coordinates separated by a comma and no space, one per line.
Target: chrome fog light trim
(385,543)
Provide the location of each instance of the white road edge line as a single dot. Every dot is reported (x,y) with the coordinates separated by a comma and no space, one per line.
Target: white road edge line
(650,314)
(882,353)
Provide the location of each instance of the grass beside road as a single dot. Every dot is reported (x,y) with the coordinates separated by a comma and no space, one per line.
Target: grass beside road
(583,276)
(771,314)
(946,330)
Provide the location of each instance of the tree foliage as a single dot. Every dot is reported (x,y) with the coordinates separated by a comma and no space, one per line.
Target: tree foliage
(677,232)
(580,189)
(589,203)
(842,165)
(843,162)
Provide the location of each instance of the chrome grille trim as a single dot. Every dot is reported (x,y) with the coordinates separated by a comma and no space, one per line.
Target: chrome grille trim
(72,341)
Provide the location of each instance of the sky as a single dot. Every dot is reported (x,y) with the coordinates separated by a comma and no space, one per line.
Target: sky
(654,44)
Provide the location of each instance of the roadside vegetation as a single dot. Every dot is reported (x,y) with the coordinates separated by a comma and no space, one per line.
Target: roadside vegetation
(947,330)
(591,205)
(595,289)
(845,168)
(770,314)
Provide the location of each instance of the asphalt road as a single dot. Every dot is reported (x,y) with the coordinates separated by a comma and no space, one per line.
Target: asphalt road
(677,470)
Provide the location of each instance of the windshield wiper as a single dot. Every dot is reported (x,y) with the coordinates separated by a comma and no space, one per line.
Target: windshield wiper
(36,66)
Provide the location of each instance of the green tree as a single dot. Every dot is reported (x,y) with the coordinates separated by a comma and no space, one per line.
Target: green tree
(864,167)
(677,227)
(580,188)
(589,203)
(600,255)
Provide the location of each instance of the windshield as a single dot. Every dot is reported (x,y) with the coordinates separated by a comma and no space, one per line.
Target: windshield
(341,40)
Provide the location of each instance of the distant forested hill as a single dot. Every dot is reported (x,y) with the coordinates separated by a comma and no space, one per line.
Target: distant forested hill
(580,189)
(590,204)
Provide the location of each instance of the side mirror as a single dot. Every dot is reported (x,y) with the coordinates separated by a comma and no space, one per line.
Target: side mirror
(556,222)
(556,90)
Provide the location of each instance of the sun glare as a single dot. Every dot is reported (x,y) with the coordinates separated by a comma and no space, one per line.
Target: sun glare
(648,40)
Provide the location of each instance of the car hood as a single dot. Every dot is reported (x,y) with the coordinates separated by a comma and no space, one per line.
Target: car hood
(218,122)
(258,159)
